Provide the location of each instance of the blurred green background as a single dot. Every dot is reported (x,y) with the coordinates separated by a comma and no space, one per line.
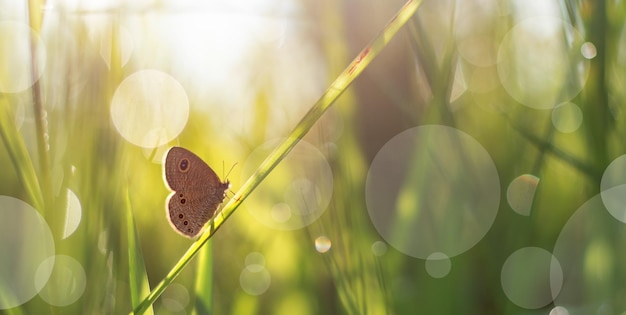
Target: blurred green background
(475,167)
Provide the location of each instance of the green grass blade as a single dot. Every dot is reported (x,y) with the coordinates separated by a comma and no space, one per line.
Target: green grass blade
(22,163)
(137,276)
(363,59)
(204,282)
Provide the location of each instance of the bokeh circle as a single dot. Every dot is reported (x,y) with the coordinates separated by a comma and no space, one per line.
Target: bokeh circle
(589,248)
(438,265)
(15,57)
(25,243)
(66,283)
(175,298)
(322,244)
(73,214)
(521,193)
(255,282)
(149,108)
(567,117)
(613,188)
(296,192)
(538,67)
(530,277)
(432,189)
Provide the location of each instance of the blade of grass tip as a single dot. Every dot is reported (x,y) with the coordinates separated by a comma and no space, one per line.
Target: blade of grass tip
(15,146)
(204,282)
(363,59)
(137,275)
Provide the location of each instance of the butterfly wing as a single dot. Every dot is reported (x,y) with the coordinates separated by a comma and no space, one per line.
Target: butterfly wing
(197,194)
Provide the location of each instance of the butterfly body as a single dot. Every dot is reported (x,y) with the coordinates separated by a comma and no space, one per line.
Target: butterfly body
(197,191)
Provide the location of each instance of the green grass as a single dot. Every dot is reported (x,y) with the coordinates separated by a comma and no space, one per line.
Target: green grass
(131,257)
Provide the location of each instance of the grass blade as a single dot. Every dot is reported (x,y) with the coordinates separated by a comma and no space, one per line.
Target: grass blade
(204,282)
(363,59)
(137,276)
(22,163)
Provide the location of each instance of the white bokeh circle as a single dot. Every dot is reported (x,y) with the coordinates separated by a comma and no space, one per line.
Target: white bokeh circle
(25,243)
(15,57)
(567,117)
(379,248)
(175,298)
(296,192)
(66,283)
(589,248)
(255,262)
(149,108)
(521,193)
(438,265)
(559,310)
(255,282)
(322,244)
(540,64)
(73,214)
(432,189)
(613,188)
(534,291)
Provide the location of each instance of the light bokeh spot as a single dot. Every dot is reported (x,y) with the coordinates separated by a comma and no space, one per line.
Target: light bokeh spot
(73,214)
(281,212)
(322,244)
(379,248)
(588,249)
(613,188)
(538,67)
(567,117)
(559,310)
(149,108)
(25,243)
(530,277)
(66,283)
(255,282)
(296,192)
(175,298)
(15,57)
(255,262)
(432,189)
(521,193)
(588,50)
(438,265)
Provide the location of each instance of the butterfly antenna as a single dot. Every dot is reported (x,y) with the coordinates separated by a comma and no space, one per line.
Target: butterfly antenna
(226,177)
(230,170)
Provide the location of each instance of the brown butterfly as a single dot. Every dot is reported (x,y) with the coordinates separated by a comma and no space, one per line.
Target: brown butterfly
(197,191)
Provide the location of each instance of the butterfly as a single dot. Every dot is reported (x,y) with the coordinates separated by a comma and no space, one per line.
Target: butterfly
(196,194)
